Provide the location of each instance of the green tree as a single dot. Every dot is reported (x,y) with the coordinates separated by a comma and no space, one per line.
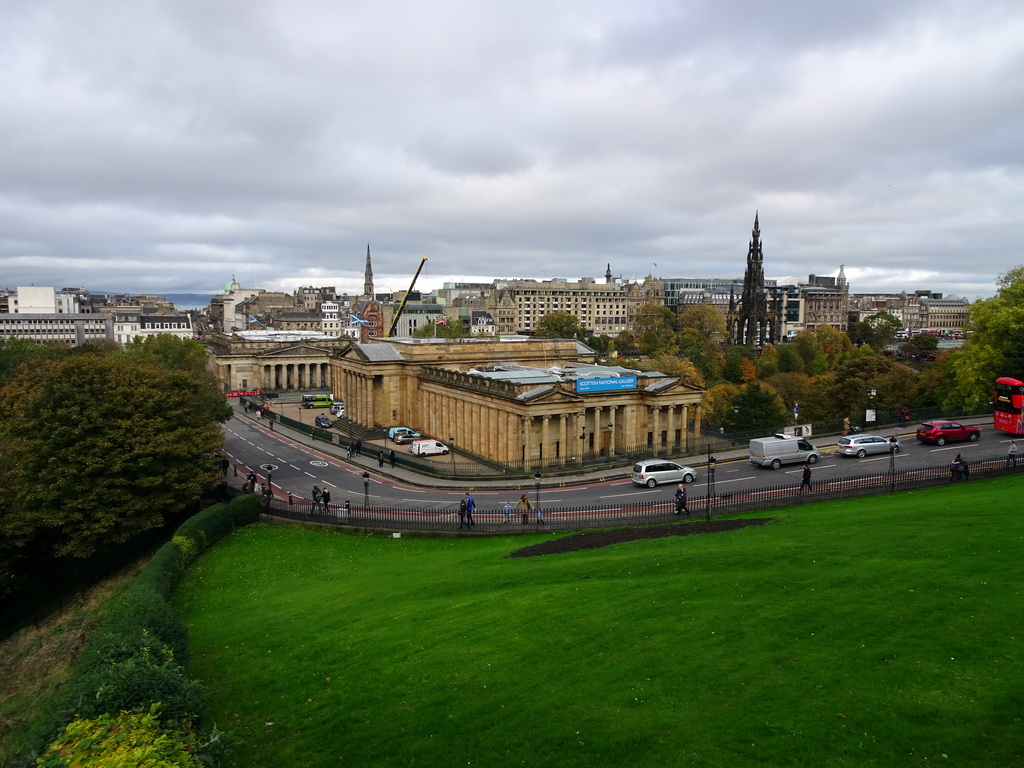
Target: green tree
(789,360)
(920,345)
(757,408)
(877,331)
(768,361)
(995,344)
(94,451)
(17,353)
(701,334)
(560,325)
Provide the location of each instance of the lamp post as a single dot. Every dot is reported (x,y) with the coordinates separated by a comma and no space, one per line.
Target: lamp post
(583,443)
(536,497)
(451,439)
(711,484)
(366,489)
(893,447)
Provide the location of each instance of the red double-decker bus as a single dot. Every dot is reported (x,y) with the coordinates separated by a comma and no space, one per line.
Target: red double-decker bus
(1008,402)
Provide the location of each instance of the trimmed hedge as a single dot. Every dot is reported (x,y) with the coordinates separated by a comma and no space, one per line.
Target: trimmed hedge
(136,657)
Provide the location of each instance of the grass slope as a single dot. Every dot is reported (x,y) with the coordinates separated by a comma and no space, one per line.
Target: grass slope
(874,632)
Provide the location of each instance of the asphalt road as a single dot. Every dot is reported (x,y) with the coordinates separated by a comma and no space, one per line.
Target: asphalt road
(296,466)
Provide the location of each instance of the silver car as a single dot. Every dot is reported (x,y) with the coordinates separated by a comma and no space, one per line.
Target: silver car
(861,445)
(653,472)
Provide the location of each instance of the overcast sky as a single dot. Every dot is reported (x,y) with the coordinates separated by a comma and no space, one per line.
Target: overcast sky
(166,146)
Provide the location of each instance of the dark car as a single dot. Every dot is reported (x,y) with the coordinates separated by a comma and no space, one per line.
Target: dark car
(942,432)
(324,422)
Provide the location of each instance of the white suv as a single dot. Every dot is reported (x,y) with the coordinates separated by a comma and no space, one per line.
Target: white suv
(652,472)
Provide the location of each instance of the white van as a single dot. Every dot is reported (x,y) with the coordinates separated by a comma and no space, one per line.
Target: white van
(428,448)
(777,450)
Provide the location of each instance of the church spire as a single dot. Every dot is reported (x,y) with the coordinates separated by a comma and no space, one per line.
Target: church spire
(608,274)
(368,276)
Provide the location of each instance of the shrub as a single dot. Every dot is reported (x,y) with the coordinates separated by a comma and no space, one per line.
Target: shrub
(128,738)
(245,509)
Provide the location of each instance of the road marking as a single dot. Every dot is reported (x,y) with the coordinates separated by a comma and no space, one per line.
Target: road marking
(954,447)
(310,474)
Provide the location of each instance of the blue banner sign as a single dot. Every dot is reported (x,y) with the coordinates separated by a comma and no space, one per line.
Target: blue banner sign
(613,384)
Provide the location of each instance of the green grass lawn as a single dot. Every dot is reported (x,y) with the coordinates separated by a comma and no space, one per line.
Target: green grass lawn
(884,631)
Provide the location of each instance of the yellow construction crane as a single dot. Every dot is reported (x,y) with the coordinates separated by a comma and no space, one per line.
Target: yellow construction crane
(401,307)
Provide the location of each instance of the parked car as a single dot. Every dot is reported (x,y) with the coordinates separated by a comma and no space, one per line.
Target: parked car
(338,408)
(942,432)
(428,448)
(861,445)
(403,434)
(324,422)
(654,472)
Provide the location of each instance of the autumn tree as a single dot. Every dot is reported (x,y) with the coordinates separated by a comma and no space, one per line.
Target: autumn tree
(654,330)
(825,342)
(702,331)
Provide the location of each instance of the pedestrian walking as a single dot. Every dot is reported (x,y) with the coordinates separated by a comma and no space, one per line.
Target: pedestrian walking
(391,458)
(251,483)
(380,458)
(470,506)
(462,513)
(1011,454)
(357,446)
(317,499)
(540,516)
(846,425)
(805,478)
(506,513)
(525,506)
(681,500)
(326,498)
(965,470)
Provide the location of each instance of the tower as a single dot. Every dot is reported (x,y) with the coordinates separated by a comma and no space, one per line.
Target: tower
(608,274)
(368,276)
(752,322)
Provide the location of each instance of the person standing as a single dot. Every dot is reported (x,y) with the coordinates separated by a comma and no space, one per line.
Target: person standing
(805,478)
(506,513)
(462,513)
(326,498)
(380,458)
(470,506)
(1011,454)
(681,499)
(391,458)
(525,506)
(956,469)
(846,425)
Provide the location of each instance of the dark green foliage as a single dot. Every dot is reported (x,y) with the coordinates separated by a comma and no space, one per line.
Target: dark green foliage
(200,531)
(758,409)
(245,509)
(94,451)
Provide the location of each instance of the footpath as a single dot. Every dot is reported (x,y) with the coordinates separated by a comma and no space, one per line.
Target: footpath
(367,462)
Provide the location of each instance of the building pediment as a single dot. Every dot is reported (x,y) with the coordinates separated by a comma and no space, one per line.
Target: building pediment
(297,350)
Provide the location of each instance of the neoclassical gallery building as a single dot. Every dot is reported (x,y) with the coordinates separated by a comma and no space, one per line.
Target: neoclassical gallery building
(513,399)
(271,360)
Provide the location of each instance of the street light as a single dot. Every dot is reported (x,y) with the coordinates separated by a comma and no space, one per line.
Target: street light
(711,484)
(366,489)
(451,439)
(536,502)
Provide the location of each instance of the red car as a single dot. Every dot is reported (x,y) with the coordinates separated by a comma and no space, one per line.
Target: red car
(942,432)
